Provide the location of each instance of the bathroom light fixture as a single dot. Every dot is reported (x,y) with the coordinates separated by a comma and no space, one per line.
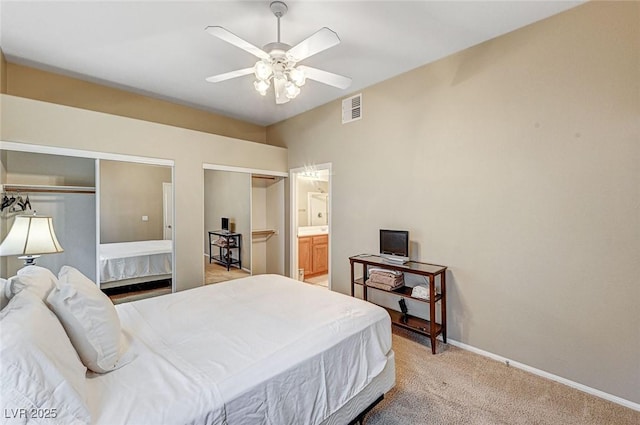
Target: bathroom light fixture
(311,172)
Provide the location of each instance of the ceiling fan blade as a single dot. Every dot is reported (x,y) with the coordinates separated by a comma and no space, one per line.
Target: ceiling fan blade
(230,75)
(326,77)
(231,38)
(281,94)
(315,43)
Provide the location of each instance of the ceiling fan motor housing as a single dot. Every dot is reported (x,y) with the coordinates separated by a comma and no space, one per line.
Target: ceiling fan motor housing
(276,49)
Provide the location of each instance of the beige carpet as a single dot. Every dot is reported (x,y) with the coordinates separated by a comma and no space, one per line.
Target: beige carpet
(460,387)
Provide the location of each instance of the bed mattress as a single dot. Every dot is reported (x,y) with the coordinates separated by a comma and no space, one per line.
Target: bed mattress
(260,350)
(127,260)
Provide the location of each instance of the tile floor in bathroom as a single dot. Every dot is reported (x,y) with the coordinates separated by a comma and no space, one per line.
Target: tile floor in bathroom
(322,280)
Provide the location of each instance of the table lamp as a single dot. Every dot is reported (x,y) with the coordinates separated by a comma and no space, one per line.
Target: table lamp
(30,236)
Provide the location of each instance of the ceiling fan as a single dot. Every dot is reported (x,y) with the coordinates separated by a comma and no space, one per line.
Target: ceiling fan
(278,61)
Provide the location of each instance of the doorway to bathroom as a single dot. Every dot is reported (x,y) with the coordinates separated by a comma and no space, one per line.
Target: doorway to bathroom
(311,224)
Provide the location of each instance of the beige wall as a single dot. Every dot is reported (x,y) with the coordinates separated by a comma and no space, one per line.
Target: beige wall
(24,81)
(516,163)
(33,122)
(129,191)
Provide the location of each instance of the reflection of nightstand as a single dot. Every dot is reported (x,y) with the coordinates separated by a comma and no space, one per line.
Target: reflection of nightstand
(226,242)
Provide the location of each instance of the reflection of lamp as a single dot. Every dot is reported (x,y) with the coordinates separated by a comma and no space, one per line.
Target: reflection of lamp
(30,236)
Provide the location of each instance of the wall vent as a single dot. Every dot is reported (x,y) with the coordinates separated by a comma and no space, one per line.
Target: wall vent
(352,108)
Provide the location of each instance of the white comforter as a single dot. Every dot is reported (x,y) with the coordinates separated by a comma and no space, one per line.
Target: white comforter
(260,350)
(126,260)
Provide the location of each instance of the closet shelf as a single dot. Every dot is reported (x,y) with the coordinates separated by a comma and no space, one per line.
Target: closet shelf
(36,188)
(263,232)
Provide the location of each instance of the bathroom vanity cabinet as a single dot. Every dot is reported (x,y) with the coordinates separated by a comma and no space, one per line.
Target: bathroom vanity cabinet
(313,254)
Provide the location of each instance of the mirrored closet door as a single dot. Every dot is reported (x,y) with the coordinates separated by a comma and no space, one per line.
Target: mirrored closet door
(135,236)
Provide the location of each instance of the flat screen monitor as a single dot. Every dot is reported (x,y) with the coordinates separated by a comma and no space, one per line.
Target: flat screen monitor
(394,242)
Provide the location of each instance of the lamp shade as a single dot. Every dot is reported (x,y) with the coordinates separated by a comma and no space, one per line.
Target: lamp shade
(31,235)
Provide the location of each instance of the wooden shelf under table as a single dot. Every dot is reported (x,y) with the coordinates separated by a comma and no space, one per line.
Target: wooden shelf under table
(413,323)
(404,291)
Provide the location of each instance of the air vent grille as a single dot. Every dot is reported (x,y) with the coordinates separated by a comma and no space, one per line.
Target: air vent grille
(352,108)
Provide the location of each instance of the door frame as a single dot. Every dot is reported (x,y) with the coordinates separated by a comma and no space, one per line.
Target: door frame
(167,210)
(294,173)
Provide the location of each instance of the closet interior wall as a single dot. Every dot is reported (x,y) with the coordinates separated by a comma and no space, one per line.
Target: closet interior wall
(74,214)
(267,224)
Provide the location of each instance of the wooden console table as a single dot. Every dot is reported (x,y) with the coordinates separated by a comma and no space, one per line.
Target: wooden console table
(432,327)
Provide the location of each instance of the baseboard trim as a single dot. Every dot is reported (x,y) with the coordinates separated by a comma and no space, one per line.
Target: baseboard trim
(610,397)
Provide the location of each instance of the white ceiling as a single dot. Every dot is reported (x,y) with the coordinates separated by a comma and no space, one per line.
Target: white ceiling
(160,48)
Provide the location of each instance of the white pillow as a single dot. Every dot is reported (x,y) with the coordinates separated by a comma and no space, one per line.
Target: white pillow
(40,368)
(39,280)
(4,299)
(90,319)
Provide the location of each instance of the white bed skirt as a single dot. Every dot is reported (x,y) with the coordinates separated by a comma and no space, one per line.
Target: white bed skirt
(143,260)
(379,386)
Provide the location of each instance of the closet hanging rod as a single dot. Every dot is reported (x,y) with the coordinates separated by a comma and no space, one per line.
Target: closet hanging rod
(35,188)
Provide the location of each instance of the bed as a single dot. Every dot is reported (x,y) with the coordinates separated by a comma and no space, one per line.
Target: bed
(258,350)
(128,263)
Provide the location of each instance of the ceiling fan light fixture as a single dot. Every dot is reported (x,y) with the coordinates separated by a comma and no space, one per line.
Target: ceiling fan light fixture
(262,86)
(297,76)
(291,90)
(262,70)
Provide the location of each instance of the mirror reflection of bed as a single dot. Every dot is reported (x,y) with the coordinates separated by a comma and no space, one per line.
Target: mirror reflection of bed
(135,230)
